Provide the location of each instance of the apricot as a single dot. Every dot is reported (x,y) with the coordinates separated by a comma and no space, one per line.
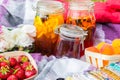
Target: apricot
(116,45)
(100,45)
(107,49)
(93,49)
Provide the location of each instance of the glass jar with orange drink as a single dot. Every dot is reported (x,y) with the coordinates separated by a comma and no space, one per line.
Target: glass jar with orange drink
(49,15)
(81,13)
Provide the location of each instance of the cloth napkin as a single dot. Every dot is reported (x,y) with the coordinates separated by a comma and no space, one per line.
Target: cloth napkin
(15,12)
(60,68)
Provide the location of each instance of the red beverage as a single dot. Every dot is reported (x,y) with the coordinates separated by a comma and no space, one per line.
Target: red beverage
(81,13)
(71,41)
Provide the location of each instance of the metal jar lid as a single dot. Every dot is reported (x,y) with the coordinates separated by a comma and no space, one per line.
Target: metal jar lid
(81,4)
(45,7)
(71,31)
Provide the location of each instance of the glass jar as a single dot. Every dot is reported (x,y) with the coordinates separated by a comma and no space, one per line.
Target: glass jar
(81,13)
(71,41)
(49,15)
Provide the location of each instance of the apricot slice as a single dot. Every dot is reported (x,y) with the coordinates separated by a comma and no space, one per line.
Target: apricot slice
(37,21)
(116,45)
(93,49)
(100,45)
(107,49)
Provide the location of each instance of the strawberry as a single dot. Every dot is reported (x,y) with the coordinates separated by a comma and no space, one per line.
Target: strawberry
(11,70)
(12,77)
(4,64)
(22,59)
(17,67)
(25,64)
(2,58)
(30,71)
(12,61)
(4,72)
(20,73)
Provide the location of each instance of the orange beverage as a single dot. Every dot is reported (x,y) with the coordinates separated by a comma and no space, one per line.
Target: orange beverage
(49,15)
(81,13)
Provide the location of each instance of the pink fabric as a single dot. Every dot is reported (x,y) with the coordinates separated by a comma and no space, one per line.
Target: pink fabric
(65,3)
(114,4)
(108,12)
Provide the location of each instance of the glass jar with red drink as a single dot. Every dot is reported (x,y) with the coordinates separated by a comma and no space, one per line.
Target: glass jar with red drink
(71,41)
(81,13)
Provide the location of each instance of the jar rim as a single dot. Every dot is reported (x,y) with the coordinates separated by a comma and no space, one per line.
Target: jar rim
(72,31)
(45,7)
(55,5)
(81,5)
(89,2)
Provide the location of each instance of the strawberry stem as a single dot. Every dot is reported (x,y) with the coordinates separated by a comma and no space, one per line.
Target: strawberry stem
(29,67)
(24,59)
(2,59)
(4,70)
(15,71)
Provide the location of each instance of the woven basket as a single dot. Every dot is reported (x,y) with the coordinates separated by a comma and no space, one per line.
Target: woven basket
(100,60)
(15,54)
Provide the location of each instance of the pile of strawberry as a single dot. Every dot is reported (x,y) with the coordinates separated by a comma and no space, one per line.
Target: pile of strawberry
(16,69)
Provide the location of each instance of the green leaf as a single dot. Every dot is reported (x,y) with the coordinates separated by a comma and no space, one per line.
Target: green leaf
(27,50)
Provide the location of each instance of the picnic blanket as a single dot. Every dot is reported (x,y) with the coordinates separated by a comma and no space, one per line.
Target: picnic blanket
(108,12)
(51,68)
(106,32)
